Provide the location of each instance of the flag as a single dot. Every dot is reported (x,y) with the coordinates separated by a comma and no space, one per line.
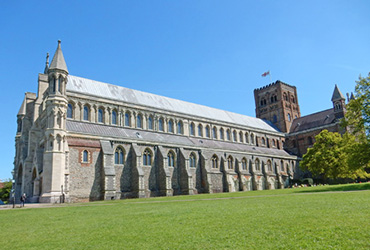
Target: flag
(266,73)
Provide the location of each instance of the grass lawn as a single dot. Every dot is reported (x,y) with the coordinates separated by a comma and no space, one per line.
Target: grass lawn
(302,218)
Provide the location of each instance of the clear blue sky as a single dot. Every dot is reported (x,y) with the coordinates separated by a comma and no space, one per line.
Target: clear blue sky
(208,52)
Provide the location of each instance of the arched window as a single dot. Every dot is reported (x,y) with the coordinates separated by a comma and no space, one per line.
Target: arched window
(222,134)
(127,119)
(192,129)
(118,156)
(214,133)
(86,113)
(272,99)
(171,159)
(214,161)
(244,164)
(269,166)
(285,96)
(200,130)
(147,157)
(150,122)
(180,129)
(139,121)
(246,137)
(273,143)
(114,117)
(230,162)
(228,136)
(252,138)
(160,124)
(234,136)
(293,99)
(70,111)
(240,136)
(100,115)
(192,160)
(54,86)
(207,131)
(85,156)
(289,118)
(170,126)
(263,141)
(258,166)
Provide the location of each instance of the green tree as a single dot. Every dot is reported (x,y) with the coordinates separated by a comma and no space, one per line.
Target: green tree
(5,190)
(357,121)
(329,156)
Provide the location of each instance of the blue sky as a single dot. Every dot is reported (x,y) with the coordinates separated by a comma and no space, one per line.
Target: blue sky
(207,52)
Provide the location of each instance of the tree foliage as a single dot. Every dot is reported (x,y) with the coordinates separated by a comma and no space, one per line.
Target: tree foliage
(330,157)
(5,191)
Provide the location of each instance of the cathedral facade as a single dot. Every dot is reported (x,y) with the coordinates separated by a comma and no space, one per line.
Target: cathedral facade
(84,140)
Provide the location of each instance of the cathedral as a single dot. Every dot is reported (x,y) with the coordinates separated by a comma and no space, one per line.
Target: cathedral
(83,140)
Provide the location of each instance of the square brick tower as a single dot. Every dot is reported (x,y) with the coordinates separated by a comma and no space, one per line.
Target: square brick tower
(277,103)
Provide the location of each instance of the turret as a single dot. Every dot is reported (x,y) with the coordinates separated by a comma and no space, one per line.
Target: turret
(57,73)
(339,103)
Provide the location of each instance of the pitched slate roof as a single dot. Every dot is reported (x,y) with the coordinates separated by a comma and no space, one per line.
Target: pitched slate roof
(337,95)
(311,121)
(114,92)
(163,138)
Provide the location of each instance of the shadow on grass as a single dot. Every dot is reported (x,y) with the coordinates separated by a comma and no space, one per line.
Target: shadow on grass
(336,188)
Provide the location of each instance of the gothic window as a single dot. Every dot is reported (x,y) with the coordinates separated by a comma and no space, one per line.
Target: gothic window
(139,121)
(147,157)
(171,159)
(160,124)
(240,136)
(118,156)
(234,136)
(263,141)
(230,162)
(214,161)
(170,126)
(246,137)
(252,138)
(114,117)
(258,166)
(150,122)
(200,130)
(293,99)
(85,156)
(264,102)
(214,133)
(275,98)
(269,167)
(244,164)
(289,118)
(86,113)
(273,143)
(179,128)
(207,131)
(100,115)
(228,136)
(192,160)
(54,85)
(70,111)
(274,119)
(272,99)
(222,134)
(127,119)
(192,129)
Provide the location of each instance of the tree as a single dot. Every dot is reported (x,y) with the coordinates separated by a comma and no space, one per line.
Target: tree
(329,156)
(357,121)
(5,190)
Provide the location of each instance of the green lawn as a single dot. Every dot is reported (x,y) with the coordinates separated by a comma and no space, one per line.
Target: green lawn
(302,218)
